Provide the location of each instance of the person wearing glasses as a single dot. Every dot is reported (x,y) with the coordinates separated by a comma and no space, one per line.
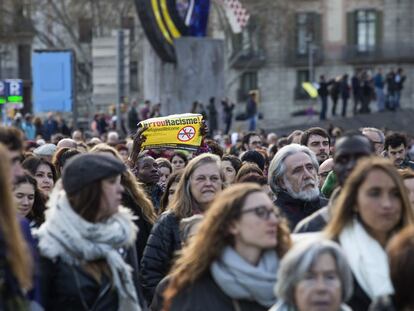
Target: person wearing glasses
(202,179)
(232,261)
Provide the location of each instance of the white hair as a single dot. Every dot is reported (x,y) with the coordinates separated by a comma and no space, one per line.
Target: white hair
(113,136)
(277,168)
(300,260)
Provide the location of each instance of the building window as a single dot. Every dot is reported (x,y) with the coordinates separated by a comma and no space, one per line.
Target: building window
(365,23)
(247,42)
(301,76)
(85,26)
(308,29)
(248,82)
(302,33)
(128,22)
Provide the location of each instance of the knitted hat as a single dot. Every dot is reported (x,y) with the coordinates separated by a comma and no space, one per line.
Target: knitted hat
(84,169)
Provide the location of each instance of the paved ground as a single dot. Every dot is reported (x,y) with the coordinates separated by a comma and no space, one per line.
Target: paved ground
(402,120)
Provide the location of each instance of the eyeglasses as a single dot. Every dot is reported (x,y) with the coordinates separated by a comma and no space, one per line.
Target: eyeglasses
(262,212)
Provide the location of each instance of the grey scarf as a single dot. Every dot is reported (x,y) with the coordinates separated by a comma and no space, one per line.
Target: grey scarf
(74,240)
(241,280)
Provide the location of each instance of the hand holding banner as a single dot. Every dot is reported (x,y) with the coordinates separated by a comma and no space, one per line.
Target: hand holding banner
(179,131)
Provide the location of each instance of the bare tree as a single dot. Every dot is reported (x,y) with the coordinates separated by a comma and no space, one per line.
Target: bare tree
(55,25)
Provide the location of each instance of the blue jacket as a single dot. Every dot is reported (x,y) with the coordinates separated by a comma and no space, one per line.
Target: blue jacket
(29,130)
(379,81)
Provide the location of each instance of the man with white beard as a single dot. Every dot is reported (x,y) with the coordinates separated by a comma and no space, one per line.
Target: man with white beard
(293,177)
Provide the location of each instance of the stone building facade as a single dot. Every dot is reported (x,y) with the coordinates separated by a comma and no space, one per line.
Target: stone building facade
(343,35)
(271,55)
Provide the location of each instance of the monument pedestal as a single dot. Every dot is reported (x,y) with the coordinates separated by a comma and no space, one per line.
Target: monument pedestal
(197,75)
(200,70)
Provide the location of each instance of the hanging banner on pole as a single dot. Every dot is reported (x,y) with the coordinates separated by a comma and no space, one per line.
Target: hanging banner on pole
(179,131)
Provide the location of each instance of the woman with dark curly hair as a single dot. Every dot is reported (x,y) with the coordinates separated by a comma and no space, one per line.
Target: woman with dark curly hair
(30,201)
(43,171)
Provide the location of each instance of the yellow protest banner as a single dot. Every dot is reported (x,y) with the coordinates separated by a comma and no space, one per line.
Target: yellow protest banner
(178,131)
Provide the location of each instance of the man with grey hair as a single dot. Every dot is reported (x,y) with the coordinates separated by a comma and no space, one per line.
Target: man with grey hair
(377,138)
(293,177)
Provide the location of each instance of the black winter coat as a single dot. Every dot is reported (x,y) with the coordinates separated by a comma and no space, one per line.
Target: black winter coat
(67,287)
(206,295)
(359,300)
(384,303)
(163,242)
(313,223)
(295,210)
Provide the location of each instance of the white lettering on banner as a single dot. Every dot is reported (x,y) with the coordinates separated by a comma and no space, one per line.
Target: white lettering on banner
(14,88)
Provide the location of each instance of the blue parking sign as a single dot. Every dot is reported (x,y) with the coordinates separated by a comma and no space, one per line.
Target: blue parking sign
(14,90)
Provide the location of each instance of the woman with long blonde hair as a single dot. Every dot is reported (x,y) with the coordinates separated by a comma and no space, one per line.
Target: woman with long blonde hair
(232,261)
(135,198)
(372,206)
(201,181)
(15,264)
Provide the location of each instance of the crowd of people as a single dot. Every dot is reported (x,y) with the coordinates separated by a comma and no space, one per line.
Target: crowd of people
(318,220)
(364,87)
